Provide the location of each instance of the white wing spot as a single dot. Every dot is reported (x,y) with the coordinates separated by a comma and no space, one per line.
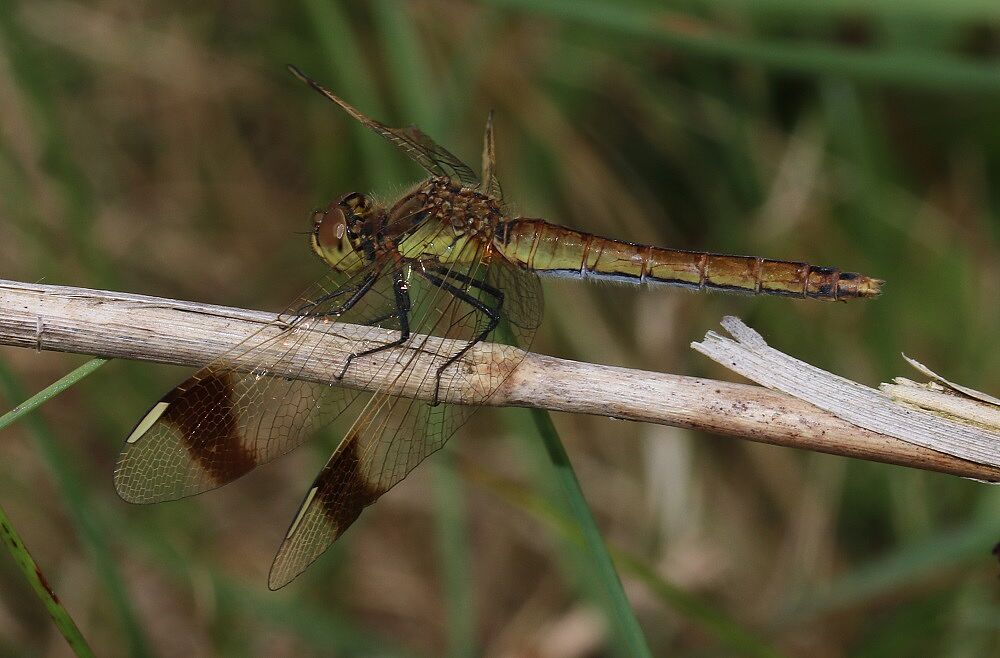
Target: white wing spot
(302,512)
(147,422)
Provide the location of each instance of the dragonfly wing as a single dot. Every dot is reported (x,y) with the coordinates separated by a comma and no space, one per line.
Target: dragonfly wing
(391,438)
(523,299)
(490,183)
(393,434)
(225,420)
(444,162)
(217,426)
(434,158)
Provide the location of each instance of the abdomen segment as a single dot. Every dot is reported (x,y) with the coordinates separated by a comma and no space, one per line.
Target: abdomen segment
(557,251)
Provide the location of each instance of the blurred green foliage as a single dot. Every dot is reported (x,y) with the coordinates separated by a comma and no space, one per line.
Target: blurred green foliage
(162,148)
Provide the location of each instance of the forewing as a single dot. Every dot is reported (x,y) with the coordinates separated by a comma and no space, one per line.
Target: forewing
(444,161)
(393,434)
(434,158)
(490,183)
(233,414)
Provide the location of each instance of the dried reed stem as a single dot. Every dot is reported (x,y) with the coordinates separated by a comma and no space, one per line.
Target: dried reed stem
(121,325)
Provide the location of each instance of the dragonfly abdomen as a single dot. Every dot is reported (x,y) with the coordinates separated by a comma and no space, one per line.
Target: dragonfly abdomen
(557,251)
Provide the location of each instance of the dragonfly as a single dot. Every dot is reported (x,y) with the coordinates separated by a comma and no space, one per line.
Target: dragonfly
(444,260)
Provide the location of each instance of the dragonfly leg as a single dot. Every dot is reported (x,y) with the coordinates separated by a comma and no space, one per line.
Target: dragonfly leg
(492,313)
(303,312)
(474,283)
(374,322)
(402,313)
(357,292)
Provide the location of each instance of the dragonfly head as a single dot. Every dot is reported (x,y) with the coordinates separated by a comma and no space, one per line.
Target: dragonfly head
(340,229)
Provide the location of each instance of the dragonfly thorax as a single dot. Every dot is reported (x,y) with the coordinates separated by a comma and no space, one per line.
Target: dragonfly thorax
(442,221)
(461,207)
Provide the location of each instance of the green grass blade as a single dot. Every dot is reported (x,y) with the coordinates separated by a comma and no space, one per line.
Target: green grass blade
(912,564)
(32,69)
(50,391)
(63,621)
(352,79)
(83,515)
(962,10)
(619,611)
(409,71)
(455,557)
(729,634)
(314,623)
(935,70)
(726,632)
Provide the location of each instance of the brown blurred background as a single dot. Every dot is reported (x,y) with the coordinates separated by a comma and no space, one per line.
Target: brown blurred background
(162,148)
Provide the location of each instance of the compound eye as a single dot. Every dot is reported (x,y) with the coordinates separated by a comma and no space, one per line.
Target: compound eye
(356,203)
(331,230)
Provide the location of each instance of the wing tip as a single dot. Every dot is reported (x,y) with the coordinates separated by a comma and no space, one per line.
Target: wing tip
(297,72)
(132,496)
(126,495)
(284,570)
(274,583)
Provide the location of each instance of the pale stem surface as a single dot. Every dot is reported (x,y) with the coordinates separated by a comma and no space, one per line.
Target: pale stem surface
(122,325)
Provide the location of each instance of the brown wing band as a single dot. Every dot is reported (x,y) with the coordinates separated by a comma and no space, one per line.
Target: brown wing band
(202,411)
